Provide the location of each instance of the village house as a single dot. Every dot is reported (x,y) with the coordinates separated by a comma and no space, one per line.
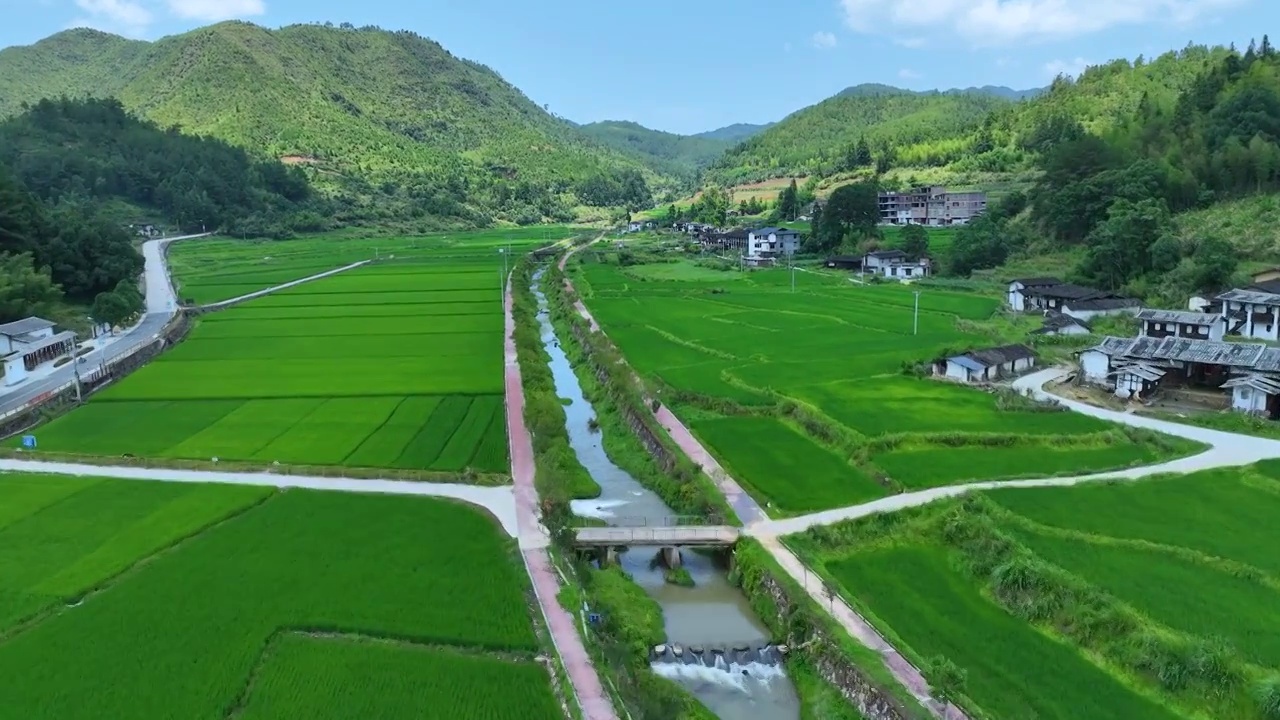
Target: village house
(1134,367)
(1078,301)
(894,264)
(1055,323)
(767,244)
(1250,312)
(29,343)
(977,366)
(932,206)
(1181,323)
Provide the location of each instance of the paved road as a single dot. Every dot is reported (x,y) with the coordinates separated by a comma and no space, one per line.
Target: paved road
(160,307)
(499,501)
(1226,450)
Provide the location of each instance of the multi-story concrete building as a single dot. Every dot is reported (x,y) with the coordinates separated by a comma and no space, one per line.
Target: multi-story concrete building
(932,206)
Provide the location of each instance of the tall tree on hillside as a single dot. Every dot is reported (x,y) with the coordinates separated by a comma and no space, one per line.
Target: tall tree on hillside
(789,202)
(1119,249)
(915,241)
(24,290)
(852,211)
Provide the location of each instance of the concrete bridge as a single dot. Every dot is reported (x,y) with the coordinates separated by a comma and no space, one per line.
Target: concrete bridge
(668,539)
(673,536)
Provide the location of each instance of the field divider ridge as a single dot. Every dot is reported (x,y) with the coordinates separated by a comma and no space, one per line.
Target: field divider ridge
(224,304)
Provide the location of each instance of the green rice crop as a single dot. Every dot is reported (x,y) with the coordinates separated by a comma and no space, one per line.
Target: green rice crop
(309,375)
(785,468)
(432,437)
(1178,592)
(1220,512)
(924,466)
(180,636)
(468,434)
(1013,671)
(323,678)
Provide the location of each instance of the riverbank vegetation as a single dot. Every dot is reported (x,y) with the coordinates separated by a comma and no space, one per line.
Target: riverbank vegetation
(409,585)
(811,398)
(1056,601)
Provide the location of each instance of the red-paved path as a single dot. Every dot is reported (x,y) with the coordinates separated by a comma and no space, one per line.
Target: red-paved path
(534,541)
(758,525)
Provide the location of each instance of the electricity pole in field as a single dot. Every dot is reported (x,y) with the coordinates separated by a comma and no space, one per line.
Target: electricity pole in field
(915,320)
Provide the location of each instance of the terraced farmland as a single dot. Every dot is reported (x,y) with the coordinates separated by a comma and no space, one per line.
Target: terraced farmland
(1153,599)
(397,365)
(802,393)
(172,601)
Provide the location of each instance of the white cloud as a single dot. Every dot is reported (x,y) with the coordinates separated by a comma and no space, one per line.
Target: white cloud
(1000,22)
(1054,68)
(908,74)
(216,10)
(824,40)
(911,42)
(126,17)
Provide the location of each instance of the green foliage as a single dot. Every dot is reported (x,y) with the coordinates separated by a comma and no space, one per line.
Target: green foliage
(852,212)
(915,241)
(389,124)
(24,290)
(890,125)
(71,151)
(679,156)
(408,572)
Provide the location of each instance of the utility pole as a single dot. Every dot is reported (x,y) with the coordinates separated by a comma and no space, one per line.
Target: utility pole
(915,320)
(75,364)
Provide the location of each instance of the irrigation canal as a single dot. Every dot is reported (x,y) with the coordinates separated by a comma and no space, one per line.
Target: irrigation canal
(735,685)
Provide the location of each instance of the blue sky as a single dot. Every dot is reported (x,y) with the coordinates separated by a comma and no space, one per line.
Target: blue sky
(693,65)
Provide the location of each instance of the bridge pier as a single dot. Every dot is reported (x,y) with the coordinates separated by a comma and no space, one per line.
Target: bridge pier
(671,557)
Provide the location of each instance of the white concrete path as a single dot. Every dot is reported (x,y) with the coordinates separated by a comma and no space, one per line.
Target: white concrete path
(499,501)
(1225,450)
(283,286)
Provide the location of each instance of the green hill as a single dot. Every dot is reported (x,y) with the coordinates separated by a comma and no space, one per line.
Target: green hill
(382,119)
(666,153)
(919,128)
(736,132)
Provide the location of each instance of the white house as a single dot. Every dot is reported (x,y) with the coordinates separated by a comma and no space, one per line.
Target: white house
(1091,307)
(1250,313)
(986,365)
(894,264)
(1135,379)
(773,240)
(28,343)
(1181,323)
(1022,290)
(1255,394)
(1055,323)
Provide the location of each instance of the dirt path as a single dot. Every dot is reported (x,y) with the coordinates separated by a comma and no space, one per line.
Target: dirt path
(534,541)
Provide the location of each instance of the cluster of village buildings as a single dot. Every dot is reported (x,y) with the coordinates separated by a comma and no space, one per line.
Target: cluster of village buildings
(26,344)
(1204,350)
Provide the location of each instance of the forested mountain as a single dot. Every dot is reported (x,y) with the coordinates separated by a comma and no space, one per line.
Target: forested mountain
(1123,150)
(890,124)
(87,152)
(736,132)
(388,123)
(681,156)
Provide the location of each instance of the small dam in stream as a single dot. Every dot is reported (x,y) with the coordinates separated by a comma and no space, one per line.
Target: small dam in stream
(730,658)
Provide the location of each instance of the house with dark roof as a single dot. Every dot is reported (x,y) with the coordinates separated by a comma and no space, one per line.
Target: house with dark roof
(1251,312)
(986,365)
(767,244)
(1099,303)
(1138,366)
(894,264)
(1022,289)
(1181,323)
(1078,301)
(1055,323)
(29,343)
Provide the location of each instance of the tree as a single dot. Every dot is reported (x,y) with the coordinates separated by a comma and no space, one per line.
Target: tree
(852,210)
(915,241)
(946,679)
(1119,249)
(1215,263)
(24,291)
(789,202)
(110,308)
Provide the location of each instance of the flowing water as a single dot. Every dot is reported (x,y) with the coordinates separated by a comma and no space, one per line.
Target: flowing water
(713,613)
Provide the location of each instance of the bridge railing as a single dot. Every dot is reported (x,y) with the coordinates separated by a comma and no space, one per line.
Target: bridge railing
(642,521)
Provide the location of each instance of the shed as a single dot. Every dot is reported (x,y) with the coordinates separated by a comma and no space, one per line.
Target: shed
(1056,323)
(990,363)
(1137,378)
(1255,394)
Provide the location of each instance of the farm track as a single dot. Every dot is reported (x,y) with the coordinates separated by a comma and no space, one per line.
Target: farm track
(1225,450)
(209,307)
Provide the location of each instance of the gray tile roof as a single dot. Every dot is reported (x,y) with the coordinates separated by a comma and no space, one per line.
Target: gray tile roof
(1250,296)
(1101,303)
(1057,321)
(1265,384)
(24,326)
(1036,282)
(1182,317)
(991,357)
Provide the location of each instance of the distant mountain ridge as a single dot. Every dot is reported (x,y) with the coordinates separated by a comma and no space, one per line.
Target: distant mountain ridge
(736,132)
(372,114)
(666,153)
(999,91)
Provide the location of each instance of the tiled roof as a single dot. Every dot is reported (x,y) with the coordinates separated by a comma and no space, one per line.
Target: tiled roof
(991,357)
(1101,303)
(24,326)
(1182,317)
(1250,296)
(1036,281)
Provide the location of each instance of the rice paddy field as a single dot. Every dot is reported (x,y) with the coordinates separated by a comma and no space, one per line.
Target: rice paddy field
(802,393)
(177,601)
(1151,599)
(396,364)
